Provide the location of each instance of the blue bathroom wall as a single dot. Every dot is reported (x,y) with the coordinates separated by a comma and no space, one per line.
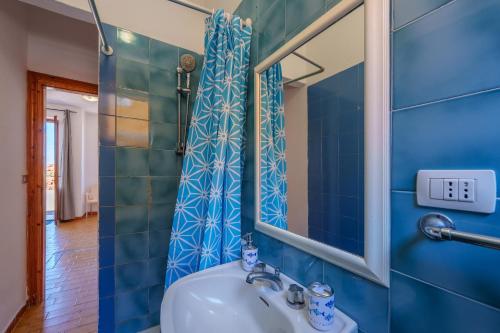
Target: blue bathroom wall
(335,115)
(445,115)
(275,22)
(138,176)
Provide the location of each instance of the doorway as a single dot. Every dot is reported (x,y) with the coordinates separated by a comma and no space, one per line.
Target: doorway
(62,218)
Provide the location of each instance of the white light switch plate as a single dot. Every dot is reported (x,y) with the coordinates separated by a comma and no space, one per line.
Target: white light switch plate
(481,200)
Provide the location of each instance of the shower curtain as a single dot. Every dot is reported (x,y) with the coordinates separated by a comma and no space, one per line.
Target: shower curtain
(66,203)
(274,206)
(206,225)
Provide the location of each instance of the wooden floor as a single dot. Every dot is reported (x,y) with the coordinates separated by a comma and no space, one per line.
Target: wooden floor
(71,303)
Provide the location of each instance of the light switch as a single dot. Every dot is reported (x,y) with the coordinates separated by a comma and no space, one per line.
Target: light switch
(436,188)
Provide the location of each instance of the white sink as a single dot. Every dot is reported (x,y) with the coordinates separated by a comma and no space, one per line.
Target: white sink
(219,300)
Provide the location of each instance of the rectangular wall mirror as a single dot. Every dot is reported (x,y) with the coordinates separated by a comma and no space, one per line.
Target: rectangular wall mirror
(322,141)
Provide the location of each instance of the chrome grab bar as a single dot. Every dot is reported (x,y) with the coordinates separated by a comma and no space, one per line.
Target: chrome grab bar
(105,48)
(437,226)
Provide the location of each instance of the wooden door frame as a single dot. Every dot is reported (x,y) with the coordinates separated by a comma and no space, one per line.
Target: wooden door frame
(56,163)
(35,225)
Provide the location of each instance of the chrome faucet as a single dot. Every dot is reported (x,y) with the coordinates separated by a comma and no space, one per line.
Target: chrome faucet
(272,278)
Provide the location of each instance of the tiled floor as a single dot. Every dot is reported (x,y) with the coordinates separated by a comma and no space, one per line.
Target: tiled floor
(71,302)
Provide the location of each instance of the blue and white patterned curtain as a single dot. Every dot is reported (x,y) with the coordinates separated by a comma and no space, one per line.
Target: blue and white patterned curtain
(273,144)
(206,226)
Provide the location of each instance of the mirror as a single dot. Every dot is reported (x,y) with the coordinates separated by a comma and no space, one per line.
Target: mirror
(317,138)
(312,138)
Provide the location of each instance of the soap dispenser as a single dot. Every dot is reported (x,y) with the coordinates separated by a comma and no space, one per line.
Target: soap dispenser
(249,253)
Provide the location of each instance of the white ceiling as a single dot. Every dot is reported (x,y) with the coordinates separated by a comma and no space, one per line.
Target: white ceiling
(228,5)
(70,100)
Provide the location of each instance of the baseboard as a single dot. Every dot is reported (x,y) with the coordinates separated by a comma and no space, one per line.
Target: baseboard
(78,218)
(16,318)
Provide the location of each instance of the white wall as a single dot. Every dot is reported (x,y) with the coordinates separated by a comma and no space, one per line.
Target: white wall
(13,38)
(62,46)
(90,153)
(296,156)
(339,47)
(158,19)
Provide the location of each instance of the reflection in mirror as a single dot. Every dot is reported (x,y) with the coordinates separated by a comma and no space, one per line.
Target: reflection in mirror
(312,138)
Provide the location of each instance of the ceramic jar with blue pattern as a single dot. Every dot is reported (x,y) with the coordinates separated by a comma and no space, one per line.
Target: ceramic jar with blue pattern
(321,304)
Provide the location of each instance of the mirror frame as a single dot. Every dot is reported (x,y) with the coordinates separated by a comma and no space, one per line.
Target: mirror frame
(375,264)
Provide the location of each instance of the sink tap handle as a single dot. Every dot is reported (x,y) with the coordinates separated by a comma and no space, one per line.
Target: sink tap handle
(260,267)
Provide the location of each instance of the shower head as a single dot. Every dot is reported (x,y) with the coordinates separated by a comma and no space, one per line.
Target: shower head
(188,63)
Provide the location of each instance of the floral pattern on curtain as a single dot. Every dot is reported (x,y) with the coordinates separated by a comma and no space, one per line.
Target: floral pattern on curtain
(206,225)
(274,206)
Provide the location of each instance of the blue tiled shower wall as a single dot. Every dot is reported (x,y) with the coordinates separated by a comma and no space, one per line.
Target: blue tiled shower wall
(335,118)
(138,176)
(445,114)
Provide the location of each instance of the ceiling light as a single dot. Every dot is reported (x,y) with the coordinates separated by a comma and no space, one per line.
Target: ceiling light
(90,98)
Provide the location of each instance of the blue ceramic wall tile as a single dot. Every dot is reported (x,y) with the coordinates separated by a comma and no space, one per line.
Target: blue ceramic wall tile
(164,55)
(106,221)
(132,75)
(131,219)
(155,297)
(299,14)
(163,82)
(132,132)
(107,65)
(164,189)
(106,161)
(271,251)
(107,95)
(132,161)
(163,136)
(405,11)
(331,3)
(450,52)
(106,282)
(106,251)
(458,267)
(419,307)
(362,300)
(132,46)
(106,191)
(302,267)
(132,104)
(107,130)
(156,271)
(134,325)
(132,191)
(164,163)
(131,276)
(158,243)
(163,109)
(455,134)
(132,304)
(131,247)
(106,314)
(273,19)
(161,215)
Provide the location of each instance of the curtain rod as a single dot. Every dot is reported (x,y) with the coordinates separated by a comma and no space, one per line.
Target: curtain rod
(190,5)
(105,48)
(320,69)
(60,110)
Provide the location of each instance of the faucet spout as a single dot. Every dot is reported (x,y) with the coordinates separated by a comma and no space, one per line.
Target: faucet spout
(273,279)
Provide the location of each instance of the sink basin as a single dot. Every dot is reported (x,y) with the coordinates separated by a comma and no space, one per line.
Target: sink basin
(219,300)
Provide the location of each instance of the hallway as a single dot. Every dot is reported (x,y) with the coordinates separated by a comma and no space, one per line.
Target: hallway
(71,303)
